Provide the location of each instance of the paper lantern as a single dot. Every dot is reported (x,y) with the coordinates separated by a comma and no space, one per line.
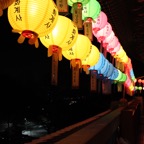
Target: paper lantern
(104,69)
(91,59)
(110,70)
(5,4)
(32,19)
(119,54)
(112,44)
(91,9)
(123,78)
(116,49)
(99,64)
(114,74)
(62,37)
(119,75)
(79,51)
(103,33)
(99,22)
(108,39)
(76,10)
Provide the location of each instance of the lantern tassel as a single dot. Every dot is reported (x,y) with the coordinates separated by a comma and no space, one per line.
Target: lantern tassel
(16,31)
(85,68)
(75,62)
(50,51)
(21,39)
(34,41)
(60,54)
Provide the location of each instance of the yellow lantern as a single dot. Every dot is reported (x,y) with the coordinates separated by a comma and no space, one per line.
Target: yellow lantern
(91,59)
(62,37)
(5,4)
(79,51)
(32,19)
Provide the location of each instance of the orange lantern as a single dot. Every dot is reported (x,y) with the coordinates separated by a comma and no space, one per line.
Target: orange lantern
(32,19)
(91,59)
(5,4)
(79,51)
(61,38)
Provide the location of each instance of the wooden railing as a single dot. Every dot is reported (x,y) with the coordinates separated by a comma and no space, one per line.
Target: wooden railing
(100,129)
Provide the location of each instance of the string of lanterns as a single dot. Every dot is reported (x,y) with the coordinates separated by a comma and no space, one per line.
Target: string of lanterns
(41,19)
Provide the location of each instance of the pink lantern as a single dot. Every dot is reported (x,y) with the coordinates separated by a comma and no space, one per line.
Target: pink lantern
(99,22)
(103,33)
(112,44)
(108,39)
(116,49)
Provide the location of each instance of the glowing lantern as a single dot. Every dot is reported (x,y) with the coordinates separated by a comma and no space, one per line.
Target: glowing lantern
(91,59)
(123,78)
(99,22)
(76,10)
(128,82)
(90,11)
(61,38)
(132,75)
(103,33)
(108,39)
(114,74)
(79,51)
(99,64)
(104,69)
(119,54)
(116,49)
(32,19)
(110,70)
(5,4)
(120,74)
(112,44)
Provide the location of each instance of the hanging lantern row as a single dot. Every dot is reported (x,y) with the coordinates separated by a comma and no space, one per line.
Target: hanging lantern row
(110,42)
(48,27)
(105,69)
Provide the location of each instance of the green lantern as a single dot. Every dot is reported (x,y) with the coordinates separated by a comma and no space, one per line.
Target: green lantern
(90,11)
(76,10)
